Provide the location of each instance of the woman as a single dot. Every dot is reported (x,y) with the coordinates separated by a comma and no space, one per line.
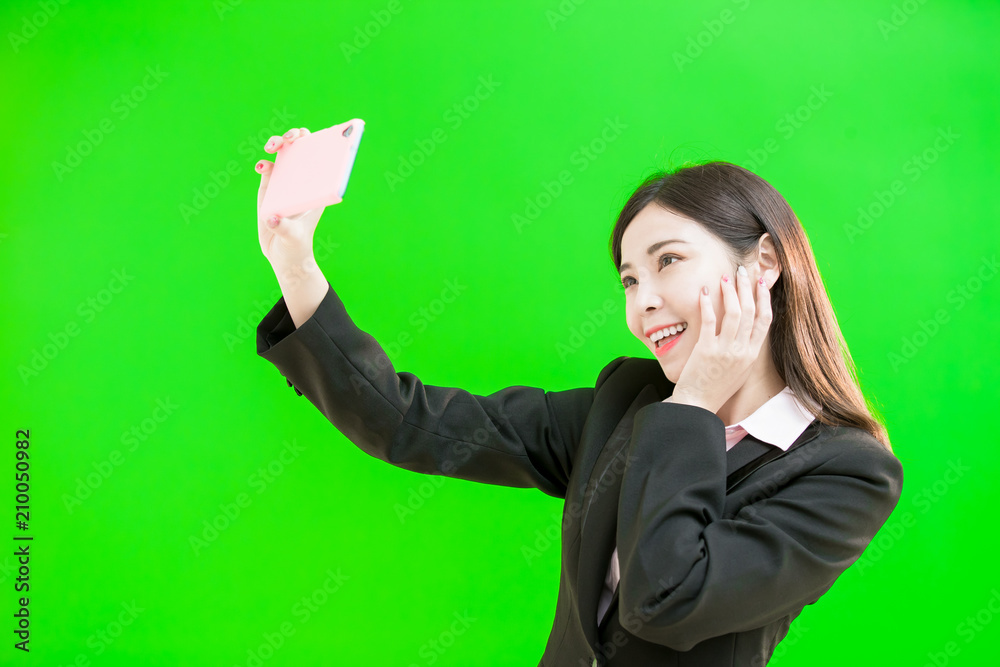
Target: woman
(711,492)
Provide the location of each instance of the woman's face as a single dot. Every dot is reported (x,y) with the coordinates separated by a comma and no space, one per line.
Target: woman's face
(665,261)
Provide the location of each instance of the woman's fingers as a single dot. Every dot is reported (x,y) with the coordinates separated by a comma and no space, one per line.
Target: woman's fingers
(762,321)
(721,362)
(730,312)
(747,308)
(264,167)
(707,332)
(273,144)
(277,141)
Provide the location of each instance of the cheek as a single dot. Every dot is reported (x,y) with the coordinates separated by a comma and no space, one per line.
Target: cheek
(631,313)
(632,321)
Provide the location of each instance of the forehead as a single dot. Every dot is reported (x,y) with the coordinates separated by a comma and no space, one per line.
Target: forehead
(653,224)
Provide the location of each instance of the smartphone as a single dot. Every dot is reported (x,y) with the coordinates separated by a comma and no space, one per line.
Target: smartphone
(313,170)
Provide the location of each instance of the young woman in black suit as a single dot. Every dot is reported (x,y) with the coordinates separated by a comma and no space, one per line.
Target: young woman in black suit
(711,491)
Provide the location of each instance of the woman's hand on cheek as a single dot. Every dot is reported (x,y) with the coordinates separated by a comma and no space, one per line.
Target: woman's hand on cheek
(720,364)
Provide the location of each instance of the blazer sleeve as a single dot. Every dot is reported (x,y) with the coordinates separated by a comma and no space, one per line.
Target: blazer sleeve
(518,436)
(689,573)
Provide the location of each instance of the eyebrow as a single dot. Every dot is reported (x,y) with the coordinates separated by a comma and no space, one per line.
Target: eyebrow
(649,251)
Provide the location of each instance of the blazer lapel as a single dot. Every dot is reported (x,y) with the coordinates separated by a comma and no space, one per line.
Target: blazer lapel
(599,520)
(750,453)
(744,452)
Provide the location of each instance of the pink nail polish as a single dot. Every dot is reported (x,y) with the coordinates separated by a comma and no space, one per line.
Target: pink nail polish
(725,278)
(761,281)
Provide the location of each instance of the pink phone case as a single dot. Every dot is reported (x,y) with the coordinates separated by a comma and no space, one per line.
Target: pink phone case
(312,171)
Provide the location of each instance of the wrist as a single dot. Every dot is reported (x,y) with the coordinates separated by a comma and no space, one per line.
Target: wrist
(292,273)
(304,287)
(684,399)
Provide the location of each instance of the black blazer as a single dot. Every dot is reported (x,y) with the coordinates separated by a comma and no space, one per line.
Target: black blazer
(712,571)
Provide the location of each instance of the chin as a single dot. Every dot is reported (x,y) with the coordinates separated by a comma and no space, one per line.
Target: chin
(672,369)
(669,371)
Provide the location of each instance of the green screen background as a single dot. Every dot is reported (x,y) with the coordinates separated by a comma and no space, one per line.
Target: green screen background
(133,280)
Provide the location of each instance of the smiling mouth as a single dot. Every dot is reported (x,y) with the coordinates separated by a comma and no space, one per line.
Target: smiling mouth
(666,340)
(658,339)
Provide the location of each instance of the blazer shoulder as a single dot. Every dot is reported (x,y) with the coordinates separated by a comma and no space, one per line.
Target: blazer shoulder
(607,371)
(628,375)
(853,444)
(852,451)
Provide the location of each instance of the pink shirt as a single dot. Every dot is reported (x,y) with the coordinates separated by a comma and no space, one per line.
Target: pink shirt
(778,422)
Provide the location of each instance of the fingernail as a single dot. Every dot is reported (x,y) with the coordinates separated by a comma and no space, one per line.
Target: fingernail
(260,167)
(742,271)
(272,222)
(704,290)
(761,281)
(725,278)
(288,135)
(269,146)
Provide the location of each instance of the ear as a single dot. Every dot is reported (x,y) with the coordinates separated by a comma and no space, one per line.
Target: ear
(768,264)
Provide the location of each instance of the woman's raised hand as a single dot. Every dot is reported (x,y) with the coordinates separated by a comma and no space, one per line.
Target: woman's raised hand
(720,364)
(287,242)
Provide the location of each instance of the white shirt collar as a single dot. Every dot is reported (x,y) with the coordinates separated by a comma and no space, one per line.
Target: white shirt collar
(778,422)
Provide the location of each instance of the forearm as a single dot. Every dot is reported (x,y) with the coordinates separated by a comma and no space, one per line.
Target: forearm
(303,287)
(672,488)
(518,436)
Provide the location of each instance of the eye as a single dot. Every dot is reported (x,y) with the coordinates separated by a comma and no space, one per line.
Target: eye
(659,260)
(665,255)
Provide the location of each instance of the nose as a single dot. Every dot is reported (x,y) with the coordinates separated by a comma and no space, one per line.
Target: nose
(647,298)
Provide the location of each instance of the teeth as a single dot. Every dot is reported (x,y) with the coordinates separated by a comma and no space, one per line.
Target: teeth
(669,331)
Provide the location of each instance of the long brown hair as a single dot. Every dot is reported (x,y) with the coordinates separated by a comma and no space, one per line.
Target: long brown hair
(807,346)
